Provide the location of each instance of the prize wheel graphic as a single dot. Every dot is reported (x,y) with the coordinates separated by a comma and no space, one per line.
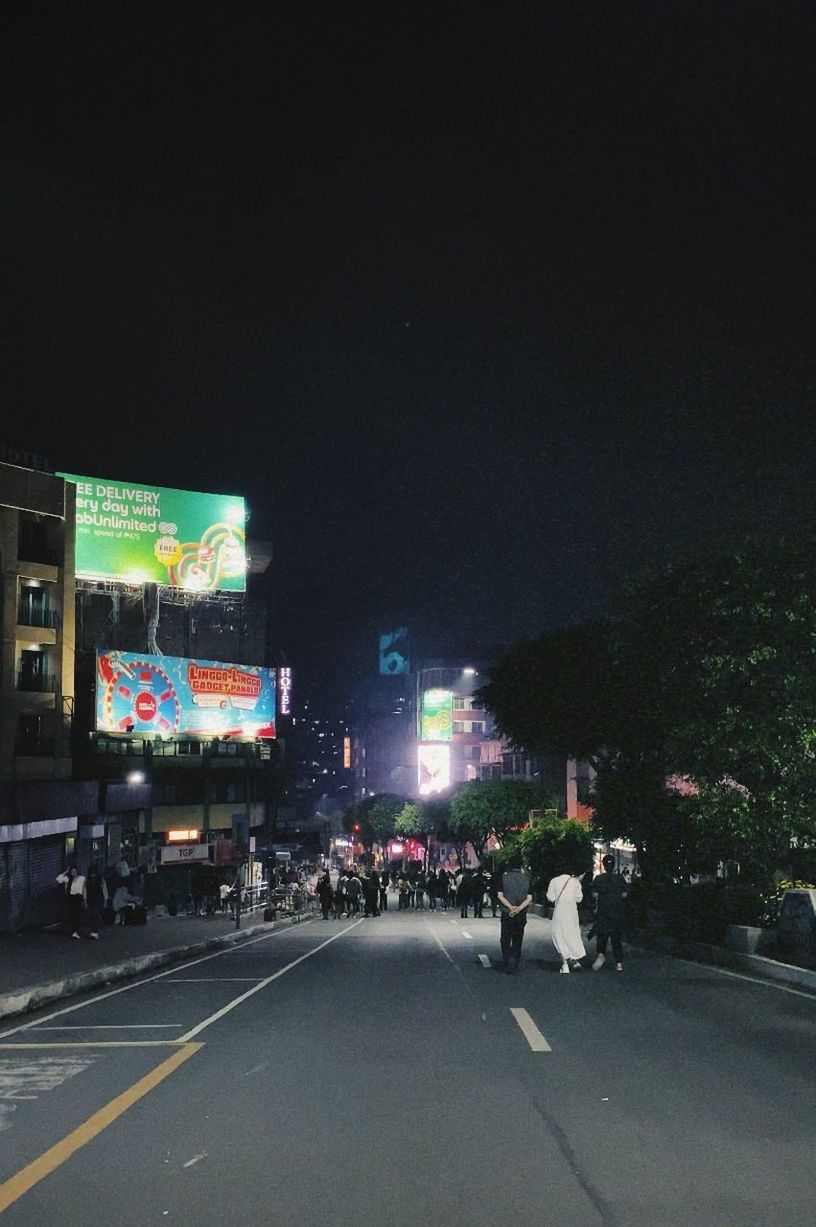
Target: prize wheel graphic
(140,697)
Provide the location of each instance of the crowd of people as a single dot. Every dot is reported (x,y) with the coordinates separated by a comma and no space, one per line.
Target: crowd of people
(365,892)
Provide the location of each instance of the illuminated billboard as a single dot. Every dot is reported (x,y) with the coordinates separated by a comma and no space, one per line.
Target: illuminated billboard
(436,723)
(150,534)
(434,768)
(394,649)
(171,696)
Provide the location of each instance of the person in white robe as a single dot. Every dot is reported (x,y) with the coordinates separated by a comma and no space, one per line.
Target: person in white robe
(566,893)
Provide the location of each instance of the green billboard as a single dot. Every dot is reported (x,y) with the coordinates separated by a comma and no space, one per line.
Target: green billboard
(151,534)
(437,715)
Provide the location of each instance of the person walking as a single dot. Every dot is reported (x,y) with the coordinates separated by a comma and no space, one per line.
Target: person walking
(74,883)
(354,889)
(464,885)
(477,890)
(96,898)
(340,901)
(443,889)
(432,887)
(493,885)
(421,883)
(371,893)
(610,890)
(385,878)
(565,892)
(514,899)
(325,894)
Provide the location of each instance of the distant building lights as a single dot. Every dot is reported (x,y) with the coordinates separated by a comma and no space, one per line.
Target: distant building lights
(136,777)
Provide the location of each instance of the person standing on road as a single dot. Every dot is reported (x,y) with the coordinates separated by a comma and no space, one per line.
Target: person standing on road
(385,878)
(371,893)
(325,894)
(96,897)
(354,890)
(493,884)
(74,883)
(514,899)
(565,892)
(477,890)
(610,890)
(431,888)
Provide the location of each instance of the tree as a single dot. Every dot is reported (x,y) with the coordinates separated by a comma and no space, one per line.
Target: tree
(416,822)
(734,633)
(482,808)
(554,846)
(382,817)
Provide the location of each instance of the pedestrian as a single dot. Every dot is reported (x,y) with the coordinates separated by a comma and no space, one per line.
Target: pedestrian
(340,901)
(565,892)
(442,889)
(354,890)
(325,894)
(432,885)
(421,883)
(403,890)
(463,892)
(96,898)
(514,899)
(385,878)
(477,890)
(493,892)
(74,883)
(371,893)
(610,890)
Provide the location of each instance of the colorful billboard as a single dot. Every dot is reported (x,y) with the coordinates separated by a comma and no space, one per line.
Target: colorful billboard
(150,534)
(171,696)
(434,768)
(394,653)
(436,722)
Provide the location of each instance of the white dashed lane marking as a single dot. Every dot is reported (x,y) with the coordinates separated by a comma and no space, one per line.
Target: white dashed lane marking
(530,1031)
(484,960)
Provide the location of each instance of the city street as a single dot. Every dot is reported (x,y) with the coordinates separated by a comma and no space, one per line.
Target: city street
(385,1071)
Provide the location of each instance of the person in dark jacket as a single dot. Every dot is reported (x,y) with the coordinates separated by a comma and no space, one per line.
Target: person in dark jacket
(385,878)
(477,892)
(610,890)
(96,897)
(371,893)
(325,894)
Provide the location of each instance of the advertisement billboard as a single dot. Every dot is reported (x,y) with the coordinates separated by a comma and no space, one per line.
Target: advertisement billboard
(394,653)
(151,534)
(171,696)
(436,722)
(434,766)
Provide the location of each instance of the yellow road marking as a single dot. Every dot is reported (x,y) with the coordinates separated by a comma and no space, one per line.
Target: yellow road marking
(14,1188)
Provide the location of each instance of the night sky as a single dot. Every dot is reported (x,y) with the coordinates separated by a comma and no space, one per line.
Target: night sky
(481,305)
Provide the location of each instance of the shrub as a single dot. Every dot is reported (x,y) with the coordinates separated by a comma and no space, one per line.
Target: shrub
(772,900)
(743,904)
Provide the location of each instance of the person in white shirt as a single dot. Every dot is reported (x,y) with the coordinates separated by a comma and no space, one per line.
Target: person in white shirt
(74,883)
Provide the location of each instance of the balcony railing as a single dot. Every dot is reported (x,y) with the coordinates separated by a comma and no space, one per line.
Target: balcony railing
(31,615)
(38,683)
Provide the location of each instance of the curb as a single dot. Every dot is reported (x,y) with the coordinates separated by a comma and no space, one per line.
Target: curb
(24,1000)
(731,960)
(717,956)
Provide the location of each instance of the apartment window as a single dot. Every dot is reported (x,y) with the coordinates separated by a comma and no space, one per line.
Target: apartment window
(459,726)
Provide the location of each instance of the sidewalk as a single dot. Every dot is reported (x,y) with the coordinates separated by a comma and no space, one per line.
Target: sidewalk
(41,966)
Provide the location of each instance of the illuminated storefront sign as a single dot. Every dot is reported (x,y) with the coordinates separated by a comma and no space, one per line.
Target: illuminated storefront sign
(285,690)
(151,534)
(346,753)
(434,768)
(437,715)
(182,837)
(171,696)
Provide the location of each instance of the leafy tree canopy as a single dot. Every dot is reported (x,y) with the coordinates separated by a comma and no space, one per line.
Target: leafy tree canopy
(482,808)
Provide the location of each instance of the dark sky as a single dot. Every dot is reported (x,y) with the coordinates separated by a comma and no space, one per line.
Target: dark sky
(481,305)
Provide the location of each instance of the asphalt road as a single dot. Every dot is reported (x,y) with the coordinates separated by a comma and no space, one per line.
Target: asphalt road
(383,1071)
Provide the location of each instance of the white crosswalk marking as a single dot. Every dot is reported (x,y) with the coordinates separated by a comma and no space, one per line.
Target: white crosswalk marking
(27,1077)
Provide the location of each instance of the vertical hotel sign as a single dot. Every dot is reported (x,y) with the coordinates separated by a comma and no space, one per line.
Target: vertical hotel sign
(436,722)
(284,691)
